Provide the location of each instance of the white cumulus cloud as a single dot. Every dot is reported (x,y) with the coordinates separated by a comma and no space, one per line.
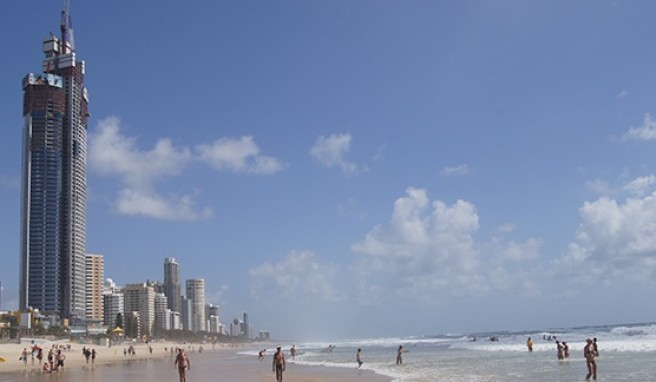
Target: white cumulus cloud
(645,132)
(238,155)
(426,246)
(614,239)
(111,153)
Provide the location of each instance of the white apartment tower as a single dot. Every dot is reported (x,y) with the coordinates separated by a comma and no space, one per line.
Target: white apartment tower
(140,299)
(196,294)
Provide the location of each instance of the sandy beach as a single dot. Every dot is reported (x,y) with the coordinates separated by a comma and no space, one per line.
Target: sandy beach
(221,361)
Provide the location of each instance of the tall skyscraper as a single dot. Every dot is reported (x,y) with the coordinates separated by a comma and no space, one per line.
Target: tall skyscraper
(54,185)
(196,293)
(172,283)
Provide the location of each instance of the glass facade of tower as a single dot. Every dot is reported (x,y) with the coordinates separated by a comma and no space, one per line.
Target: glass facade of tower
(172,283)
(54,186)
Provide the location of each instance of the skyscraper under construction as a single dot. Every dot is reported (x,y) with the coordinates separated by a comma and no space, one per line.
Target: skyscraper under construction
(54,185)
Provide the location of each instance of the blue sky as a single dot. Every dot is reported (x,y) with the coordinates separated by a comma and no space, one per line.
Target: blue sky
(363,168)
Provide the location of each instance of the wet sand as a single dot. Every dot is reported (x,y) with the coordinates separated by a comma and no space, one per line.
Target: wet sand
(213,364)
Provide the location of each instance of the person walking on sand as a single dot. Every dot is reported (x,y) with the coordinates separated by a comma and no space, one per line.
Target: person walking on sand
(182,362)
(529,344)
(278,363)
(23,356)
(399,355)
(590,361)
(358,358)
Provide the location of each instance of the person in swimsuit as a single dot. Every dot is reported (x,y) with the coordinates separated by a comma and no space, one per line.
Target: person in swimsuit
(183,363)
(590,361)
(279,363)
(358,358)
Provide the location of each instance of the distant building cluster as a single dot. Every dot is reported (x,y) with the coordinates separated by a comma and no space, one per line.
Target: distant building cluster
(61,284)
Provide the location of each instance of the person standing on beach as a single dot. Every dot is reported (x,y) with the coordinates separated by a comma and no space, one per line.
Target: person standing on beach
(358,357)
(61,357)
(278,363)
(590,361)
(292,351)
(529,344)
(183,363)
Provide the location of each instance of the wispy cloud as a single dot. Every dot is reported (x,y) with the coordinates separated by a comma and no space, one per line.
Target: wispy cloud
(462,169)
(9,182)
(301,274)
(331,151)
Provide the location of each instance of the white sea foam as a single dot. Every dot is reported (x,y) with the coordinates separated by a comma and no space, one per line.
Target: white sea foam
(457,357)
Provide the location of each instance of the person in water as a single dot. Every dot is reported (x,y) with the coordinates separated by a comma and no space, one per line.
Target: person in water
(358,358)
(529,344)
(183,363)
(399,355)
(590,361)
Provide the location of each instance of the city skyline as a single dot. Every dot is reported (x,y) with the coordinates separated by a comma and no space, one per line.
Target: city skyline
(474,166)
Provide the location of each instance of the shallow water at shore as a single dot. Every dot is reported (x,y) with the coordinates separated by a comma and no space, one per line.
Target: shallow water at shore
(627,354)
(223,365)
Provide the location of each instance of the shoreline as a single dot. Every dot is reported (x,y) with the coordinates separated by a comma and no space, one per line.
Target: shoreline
(221,360)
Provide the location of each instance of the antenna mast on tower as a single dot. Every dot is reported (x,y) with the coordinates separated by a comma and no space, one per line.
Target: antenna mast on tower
(66,28)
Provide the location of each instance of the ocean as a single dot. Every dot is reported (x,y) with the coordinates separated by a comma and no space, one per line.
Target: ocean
(626,353)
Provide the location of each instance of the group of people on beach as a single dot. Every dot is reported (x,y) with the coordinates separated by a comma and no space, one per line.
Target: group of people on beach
(590,353)
(55,359)
(89,354)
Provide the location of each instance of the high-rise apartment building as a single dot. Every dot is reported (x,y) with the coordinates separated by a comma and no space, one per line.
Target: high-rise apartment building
(113,304)
(162,312)
(54,181)
(172,283)
(95,274)
(140,302)
(196,294)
